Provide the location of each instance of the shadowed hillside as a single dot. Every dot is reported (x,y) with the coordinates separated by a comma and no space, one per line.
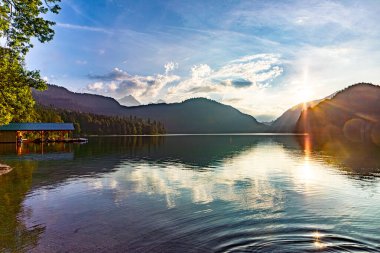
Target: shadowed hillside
(60,97)
(352,115)
(198,115)
(287,122)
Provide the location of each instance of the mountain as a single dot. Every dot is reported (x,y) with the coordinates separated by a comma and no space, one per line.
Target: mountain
(198,115)
(286,123)
(160,101)
(60,97)
(129,101)
(351,115)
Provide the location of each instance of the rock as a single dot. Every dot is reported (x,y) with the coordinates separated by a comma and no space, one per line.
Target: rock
(4,169)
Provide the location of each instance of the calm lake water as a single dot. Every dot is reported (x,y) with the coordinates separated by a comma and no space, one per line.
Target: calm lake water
(228,193)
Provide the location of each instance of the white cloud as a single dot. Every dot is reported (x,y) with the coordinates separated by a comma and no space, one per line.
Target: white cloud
(241,82)
(112,86)
(230,83)
(83,27)
(170,66)
(97,86)
(255,69)
(200,71)
(119,83)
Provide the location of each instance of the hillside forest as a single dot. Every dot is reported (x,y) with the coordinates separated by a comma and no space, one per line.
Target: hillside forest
(93,124)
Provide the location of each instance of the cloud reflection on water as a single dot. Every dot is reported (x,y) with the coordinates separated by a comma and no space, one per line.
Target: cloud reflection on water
(261,188)
(247,179)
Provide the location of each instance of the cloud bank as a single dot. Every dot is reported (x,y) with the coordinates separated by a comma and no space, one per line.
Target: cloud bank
(261,57)
(232,83)
(119,83)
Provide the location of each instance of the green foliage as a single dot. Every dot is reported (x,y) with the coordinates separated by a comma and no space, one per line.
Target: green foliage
(16,101)
(87,123)
(21,20)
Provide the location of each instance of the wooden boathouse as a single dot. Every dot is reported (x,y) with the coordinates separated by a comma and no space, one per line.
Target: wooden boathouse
(11,132)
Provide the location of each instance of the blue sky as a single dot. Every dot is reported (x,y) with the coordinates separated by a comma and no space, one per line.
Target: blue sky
(261,57)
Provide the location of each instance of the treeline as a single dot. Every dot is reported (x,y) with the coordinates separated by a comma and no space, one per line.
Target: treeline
(88,123)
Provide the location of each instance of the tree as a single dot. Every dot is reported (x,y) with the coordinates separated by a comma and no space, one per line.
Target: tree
(16,101)
(87,123)
(20,21)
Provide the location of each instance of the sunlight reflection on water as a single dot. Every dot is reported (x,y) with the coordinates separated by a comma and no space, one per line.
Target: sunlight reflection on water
(199,194)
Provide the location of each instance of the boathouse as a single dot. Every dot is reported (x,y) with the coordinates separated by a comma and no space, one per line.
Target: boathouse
(10,133)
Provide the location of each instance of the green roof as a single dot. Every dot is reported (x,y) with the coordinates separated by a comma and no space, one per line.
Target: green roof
(37,127)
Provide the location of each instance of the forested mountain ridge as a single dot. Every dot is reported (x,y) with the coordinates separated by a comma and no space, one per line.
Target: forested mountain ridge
(89,123)
(60,97)
(287,122)
(198,115)
(352,114)
(358,105)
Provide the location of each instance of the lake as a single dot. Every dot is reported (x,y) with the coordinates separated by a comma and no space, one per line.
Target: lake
(203,193)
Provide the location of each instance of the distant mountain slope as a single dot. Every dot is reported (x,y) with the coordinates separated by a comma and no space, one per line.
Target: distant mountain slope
(129,101)
(352,114)
(60,97)
(286,123)
(160,101)
(198,115)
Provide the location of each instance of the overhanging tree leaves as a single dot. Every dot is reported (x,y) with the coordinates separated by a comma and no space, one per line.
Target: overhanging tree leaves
(20,21)
(16,101)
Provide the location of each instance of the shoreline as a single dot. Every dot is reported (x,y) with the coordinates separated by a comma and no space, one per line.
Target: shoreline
(201,134)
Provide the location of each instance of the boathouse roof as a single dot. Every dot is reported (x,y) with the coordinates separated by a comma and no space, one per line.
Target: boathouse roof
(37,127)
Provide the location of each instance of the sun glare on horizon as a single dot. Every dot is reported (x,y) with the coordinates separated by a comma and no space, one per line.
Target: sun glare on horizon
(305,95)
(305,92)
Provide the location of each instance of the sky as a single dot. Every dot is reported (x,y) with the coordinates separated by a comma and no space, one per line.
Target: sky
(261,57)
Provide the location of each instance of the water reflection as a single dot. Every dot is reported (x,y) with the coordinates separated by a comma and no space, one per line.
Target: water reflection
(34,151)
(245,177)
(361,159)
(15,235)
(197,193)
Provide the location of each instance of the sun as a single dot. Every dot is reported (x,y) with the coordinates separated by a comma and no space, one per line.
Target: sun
(304,95)
(305,91)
